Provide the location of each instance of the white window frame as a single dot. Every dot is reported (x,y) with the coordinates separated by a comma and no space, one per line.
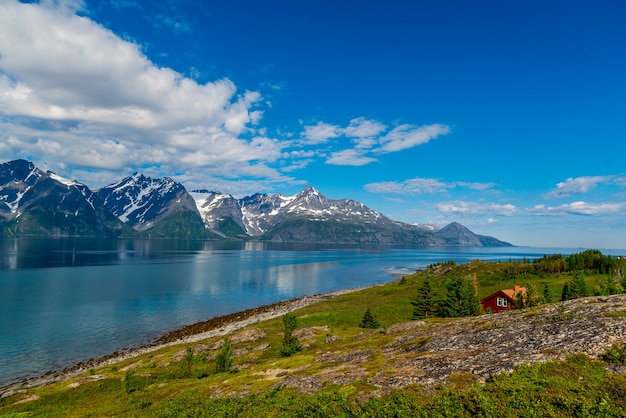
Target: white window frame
(501,302)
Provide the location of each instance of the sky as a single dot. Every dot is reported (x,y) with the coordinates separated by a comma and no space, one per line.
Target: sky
(505,116)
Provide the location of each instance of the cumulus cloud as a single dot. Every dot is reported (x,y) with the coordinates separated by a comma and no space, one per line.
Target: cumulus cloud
(581,185)
(368,138)
(420,185)
(320,133)
(463,208)
(363,128)
(73,91)
(581,208)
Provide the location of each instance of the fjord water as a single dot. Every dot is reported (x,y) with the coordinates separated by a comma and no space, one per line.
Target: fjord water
(63,301)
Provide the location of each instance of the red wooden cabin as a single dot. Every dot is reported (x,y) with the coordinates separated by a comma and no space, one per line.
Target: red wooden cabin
(502,300)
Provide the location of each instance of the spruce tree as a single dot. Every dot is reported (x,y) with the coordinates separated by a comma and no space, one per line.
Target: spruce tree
(566,294)
(460,300)
(578,286)
(369,321)
(291,345)
(423,303)
(547,296)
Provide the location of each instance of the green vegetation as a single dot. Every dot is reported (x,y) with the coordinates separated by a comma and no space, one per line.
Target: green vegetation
(224,359)
(424,305)
(615,354)
(291,345)
(230,228)
(187,225)
(198,380)
(460,299)
(369,321)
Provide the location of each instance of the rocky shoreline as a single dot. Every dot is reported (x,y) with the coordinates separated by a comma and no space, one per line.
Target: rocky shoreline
(217,326)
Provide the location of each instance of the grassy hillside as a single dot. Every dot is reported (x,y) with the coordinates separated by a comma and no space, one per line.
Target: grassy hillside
(339,370)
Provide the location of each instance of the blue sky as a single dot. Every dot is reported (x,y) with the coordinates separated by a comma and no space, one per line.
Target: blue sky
(507,117)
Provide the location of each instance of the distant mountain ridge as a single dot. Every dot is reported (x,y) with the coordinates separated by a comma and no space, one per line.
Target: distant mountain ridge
(34,202)
(43,203)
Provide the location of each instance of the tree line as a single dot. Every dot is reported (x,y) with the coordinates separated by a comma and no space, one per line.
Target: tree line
(461,294)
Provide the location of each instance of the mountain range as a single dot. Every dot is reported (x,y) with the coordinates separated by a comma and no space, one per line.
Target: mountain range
(34,202)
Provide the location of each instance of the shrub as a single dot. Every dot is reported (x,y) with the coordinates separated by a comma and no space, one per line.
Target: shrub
(615,354)
(224,359)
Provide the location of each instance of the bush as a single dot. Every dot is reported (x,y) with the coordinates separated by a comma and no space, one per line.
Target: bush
(615,354)
(224,359)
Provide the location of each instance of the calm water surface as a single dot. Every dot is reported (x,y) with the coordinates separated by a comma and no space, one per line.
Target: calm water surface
(68,300)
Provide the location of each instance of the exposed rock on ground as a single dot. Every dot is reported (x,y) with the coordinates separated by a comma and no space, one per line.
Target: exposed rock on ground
(427,354)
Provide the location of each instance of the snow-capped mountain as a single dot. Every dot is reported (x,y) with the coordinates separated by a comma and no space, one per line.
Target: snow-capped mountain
(142,202)
(36,202)
(16,178)
(311,217)
(259,213)
(43,203)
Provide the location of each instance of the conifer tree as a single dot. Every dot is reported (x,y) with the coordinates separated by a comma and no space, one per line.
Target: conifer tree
(460,300)
(547,296)
(291,345)
(566,294)
(369,321)
(424,302)
(578,286)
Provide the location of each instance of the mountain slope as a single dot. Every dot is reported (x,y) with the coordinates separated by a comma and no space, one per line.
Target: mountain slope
(161,207)
(309,216)
(456,234)
(43,203)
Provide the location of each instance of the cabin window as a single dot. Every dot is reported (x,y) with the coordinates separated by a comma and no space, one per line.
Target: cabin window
(502,302)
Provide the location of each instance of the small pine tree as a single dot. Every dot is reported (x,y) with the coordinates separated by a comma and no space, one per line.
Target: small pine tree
(547,296)
(369,321)
(224,359)
(578,286)
(566,294)
(187,360)
(424,303)
(291,345)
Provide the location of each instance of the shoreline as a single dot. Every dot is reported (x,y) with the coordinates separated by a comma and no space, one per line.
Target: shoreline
(216,326)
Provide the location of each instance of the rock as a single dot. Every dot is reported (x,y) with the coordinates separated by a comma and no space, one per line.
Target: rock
(248,335)
(28,399)
(406,326)
(309,334)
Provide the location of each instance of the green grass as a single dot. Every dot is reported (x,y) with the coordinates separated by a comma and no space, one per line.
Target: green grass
(161,387)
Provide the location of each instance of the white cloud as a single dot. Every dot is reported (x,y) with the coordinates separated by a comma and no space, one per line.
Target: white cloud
(420,185)
(363,128)
(581,185)
(320,133)
(349,157)
(581,208)
(463,208)
(73,92)
(409,136)
(369,138)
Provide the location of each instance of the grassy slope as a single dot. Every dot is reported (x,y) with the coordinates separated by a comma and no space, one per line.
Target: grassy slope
(159,386)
